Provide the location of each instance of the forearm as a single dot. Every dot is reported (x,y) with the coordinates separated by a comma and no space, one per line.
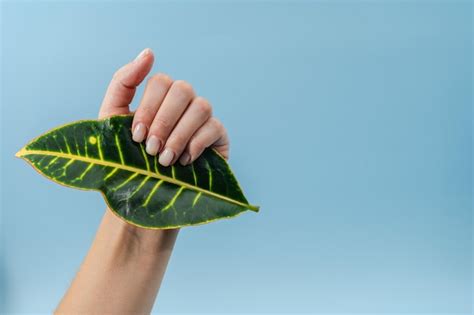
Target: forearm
(122,272)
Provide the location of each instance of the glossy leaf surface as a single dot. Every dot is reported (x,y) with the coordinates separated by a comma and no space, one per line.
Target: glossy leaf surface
(101,155)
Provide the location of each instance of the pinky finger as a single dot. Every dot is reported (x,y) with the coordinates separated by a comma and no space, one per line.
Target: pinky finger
(212,133)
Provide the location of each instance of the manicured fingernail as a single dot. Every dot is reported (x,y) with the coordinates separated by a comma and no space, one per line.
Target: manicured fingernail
(139,132)
(185,158)
(166,157)
(153,145)
(143,53)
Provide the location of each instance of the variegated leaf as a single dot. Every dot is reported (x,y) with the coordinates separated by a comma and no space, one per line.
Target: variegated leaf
(101,155)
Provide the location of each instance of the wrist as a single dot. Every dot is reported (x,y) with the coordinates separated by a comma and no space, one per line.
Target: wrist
(143,243)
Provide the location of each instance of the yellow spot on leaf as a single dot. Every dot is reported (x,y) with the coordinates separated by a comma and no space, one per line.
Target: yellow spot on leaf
(92,140)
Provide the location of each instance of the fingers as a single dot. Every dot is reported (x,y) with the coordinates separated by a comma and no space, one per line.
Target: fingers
(123,85)
(156,89)
(175,103)
(193,118)
(212,133)
(176,123)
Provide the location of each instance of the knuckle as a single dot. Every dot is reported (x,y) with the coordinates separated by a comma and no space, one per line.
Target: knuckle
(161,124)
(203,105)
(177,141)
(196,145)
(217,124)
(118,74)
(183,88)
(145,112)
(160,78)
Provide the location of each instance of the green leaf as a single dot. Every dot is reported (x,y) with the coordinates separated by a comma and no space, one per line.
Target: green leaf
(101,155)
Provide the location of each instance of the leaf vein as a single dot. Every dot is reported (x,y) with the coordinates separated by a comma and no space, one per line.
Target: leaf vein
(137,171)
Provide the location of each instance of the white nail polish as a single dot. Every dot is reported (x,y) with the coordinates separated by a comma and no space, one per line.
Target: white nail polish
(185,158)
(166,157)
(153,145)
(138,134)
(143,53)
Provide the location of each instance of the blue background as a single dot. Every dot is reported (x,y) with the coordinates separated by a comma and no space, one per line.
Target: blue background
(350,125)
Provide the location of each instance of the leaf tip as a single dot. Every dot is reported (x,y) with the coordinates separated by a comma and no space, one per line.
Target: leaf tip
(254,208)
(20,153)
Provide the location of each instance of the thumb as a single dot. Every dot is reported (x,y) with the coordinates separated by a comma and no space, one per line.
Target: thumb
(123,85)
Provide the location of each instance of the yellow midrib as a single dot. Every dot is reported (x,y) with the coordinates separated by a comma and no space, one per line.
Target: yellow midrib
(24,151)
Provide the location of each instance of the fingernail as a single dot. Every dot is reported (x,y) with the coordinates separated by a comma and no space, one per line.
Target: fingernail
(153,145)
(138,134)
(143,53)
(185,158)
(166,157)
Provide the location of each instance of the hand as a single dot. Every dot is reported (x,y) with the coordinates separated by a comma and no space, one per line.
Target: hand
(176,124)
(126,264)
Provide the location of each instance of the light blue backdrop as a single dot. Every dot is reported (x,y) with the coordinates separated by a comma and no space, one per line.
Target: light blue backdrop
(350,125)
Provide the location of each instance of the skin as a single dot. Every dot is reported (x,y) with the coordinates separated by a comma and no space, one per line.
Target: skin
(125,265)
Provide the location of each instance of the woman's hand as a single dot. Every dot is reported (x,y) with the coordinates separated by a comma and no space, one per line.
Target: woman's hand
(175,123)
(123,270)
